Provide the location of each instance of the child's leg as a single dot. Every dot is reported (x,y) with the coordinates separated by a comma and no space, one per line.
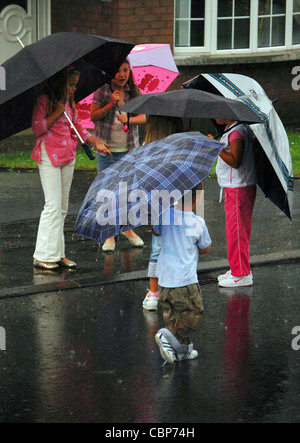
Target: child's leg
(182,310)
(151,301)
(239,205)
(50,231)
(153,281)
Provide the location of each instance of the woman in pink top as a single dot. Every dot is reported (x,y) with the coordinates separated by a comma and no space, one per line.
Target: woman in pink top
(55,151)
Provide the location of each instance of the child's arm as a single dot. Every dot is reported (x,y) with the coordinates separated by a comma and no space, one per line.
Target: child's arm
(138,119)
(204,251)
(234,158)
(99,112)
(99,145)
(41,123)
(59,109)
(154,232)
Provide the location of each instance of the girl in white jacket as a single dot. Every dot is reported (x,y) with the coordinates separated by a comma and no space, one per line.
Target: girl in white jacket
(237,176)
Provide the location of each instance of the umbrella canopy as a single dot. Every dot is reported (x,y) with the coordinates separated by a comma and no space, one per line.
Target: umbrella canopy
(274,163)
(143,184)
(83,108)
(153,67)
(191,103)
(98,58)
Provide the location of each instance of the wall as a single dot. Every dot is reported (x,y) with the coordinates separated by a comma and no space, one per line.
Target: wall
(130,20)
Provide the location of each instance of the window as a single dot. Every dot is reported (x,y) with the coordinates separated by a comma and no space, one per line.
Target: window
(233,24)
(271,23)
(189,22)
(245,26)
(296,22)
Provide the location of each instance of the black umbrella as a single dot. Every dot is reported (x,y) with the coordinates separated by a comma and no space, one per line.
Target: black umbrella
(191,103)
(98,59)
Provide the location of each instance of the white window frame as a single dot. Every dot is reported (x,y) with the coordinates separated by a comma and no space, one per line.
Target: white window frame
(206,47)
(211,26)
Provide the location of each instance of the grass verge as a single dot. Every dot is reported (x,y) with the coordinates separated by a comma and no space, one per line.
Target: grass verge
(22,160)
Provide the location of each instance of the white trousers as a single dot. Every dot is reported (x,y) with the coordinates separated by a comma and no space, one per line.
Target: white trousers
(56,182)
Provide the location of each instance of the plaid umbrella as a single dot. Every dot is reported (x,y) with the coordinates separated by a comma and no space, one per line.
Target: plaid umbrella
(144,183)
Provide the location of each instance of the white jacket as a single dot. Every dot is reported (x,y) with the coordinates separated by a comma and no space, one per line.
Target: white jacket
(246,174)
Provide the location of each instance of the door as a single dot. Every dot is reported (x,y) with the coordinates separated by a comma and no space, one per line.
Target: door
(30,20)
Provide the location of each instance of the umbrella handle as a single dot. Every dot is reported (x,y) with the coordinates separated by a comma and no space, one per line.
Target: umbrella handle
(88,151)
(84,145)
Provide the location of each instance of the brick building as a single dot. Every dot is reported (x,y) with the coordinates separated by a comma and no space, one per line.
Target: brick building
(259,38)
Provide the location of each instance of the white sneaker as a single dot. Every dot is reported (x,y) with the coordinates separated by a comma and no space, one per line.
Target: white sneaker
(151,302)
(235,282)
(228,274)
(187,356)
(166,350)
(221,277)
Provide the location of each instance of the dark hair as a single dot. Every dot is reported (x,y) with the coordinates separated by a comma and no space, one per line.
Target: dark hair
(72,71)
(133,88)
(56,89)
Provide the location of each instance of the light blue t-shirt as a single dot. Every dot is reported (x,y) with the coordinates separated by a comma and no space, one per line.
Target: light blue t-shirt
(181,240)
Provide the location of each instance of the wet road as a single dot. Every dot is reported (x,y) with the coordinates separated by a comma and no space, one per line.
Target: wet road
(89,355)
(80,348)
(22,201)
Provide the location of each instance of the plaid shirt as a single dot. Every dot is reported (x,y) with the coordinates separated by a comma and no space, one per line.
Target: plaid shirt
(103,127)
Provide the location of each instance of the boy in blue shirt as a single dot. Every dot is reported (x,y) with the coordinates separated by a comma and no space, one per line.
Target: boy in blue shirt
(182,238)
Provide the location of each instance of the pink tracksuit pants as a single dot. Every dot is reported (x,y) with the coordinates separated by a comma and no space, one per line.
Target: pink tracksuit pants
(239,205)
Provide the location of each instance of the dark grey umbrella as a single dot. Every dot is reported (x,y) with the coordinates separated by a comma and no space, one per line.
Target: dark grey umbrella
(98,59)
(191,103)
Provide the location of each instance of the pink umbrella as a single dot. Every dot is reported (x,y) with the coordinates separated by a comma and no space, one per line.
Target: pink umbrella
(153,68)
(83,111)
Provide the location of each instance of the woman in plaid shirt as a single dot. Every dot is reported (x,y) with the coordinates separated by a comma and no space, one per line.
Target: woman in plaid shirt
(117,128)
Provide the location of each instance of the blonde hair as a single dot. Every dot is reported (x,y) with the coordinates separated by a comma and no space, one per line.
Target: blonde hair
(158,127)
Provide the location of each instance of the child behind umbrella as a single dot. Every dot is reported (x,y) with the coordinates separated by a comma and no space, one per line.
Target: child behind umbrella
(183,236)
(158,127)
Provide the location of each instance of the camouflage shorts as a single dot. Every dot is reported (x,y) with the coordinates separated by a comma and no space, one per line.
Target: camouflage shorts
(182,310)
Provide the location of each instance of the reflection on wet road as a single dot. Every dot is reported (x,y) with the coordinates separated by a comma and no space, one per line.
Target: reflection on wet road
(89,355)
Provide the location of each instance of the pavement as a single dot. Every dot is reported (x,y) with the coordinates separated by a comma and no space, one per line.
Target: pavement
(80,348)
